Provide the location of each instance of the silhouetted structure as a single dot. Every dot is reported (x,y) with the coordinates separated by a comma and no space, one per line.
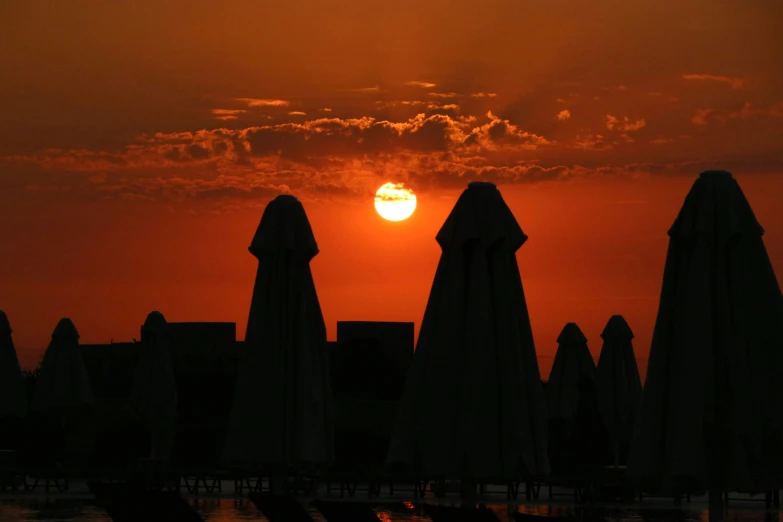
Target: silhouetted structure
(710,411)
(63,394)
(13,396)
(371,360)
(369,364)
(111,368)
(282,411)
(619,385)
(128,503)
(153,397)
(344,511)
(473,404)
(201,338)
(465,513)
(570,409)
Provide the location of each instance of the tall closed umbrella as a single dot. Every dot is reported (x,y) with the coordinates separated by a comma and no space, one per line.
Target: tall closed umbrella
(153,396)
(473,404)
(13,398)
(572,361)
(618,382)
(282,411)
(710,411)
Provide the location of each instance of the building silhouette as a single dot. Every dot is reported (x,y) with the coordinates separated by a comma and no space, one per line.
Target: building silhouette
(369,364)
(370,360)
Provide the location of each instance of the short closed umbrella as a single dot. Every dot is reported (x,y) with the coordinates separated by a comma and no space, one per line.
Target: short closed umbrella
(473,405)
(63,384)
(153,396)
(571,404)
(710,413)
(282,412)
(63,391)
(618,383)
(572,361)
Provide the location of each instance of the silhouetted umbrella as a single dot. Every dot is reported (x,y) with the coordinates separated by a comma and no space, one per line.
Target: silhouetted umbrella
(282,411)
(153,396)
(13,398)
(473,403)
(710,412)
(618,383)
(63,384)
(572,361)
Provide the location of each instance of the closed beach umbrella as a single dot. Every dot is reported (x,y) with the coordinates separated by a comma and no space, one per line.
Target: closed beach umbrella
(63,384)
(618,382)
(13,398)
(282,411)
(572,407)
(710,412)
(572,362)
(153,396)
(473,404)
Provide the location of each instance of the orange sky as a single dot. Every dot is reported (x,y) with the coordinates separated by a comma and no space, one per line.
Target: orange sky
(140,141)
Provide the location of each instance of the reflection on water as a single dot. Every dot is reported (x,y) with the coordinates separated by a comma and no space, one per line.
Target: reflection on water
(227,510)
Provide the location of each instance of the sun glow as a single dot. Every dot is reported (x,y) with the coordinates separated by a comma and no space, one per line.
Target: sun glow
(394,202)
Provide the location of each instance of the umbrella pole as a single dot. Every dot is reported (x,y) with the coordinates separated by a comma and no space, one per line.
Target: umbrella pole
(716,507)
(616,454)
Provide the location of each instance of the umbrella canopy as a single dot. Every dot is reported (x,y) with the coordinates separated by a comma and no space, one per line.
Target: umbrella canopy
(572,362)
(13,398)
(282,411)
(63,383)
(153,393)
(617,379)
(473,403)
(710,411)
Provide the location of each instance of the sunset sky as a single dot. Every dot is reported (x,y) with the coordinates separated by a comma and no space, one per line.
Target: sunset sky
(140,142)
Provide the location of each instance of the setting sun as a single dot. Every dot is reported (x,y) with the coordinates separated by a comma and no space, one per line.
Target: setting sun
(393,202)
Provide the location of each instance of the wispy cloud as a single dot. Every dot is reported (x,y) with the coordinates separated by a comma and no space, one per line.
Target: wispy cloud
(297,113)
(374,88)
(444,107)
(397,103)
(325,109)
(596,142)
(227,114)
(483,95)
(563,115)
(444,94)
(417,83)
(735,83)
(624,124)
(704,116)
(263,102)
